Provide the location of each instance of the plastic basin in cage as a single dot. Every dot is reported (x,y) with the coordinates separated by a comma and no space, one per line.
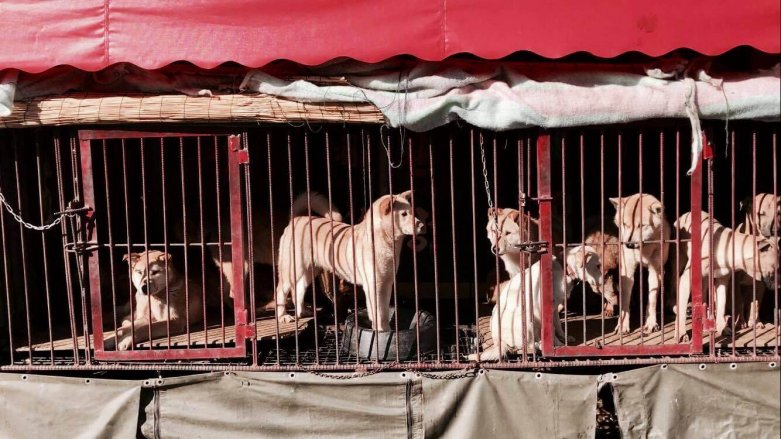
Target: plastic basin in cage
(381,345)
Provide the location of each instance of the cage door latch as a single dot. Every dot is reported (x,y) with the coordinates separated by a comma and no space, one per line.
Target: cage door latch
(533,247)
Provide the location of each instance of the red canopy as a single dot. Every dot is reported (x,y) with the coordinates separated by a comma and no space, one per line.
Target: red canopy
(92,34)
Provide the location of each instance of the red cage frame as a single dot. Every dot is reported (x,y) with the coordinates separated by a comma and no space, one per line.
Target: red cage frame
(236,157)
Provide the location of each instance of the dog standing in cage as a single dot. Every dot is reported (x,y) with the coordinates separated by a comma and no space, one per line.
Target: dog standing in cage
(508,316)
(760,264)
(645,232)
(362,254)
(164,301)
(762,218)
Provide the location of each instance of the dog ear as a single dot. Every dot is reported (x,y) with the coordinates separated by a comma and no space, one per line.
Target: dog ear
(745,205)
(615,201)
(407,195)
(656,209)
(386,204)
(494,211)
(514,215)
(134,257)
(764,245)
(164,257)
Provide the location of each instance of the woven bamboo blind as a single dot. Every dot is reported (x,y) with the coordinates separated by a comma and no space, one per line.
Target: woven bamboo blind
(86,108)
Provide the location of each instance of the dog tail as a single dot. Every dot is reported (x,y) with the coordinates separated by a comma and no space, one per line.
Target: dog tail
(319,204)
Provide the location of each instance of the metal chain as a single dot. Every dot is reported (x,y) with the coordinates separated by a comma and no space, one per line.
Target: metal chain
(468,372)
(491,210)
(21,221)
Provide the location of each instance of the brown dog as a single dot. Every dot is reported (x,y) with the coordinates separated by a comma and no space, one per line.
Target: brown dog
(161,301)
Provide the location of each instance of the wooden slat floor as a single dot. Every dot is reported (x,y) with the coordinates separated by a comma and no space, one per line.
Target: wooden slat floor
(765,338)
(213,336)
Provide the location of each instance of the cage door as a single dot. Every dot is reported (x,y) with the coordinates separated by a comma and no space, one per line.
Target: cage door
(584,179)
(167,274)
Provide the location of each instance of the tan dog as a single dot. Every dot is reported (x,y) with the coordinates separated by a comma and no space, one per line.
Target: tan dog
(608,247)
(642,226)
(362,254)
(762,218)
(723,265)
(508,318)
(161,301)
(505,234)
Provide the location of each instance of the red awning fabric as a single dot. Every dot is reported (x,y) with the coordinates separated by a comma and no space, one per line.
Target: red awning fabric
(93,34)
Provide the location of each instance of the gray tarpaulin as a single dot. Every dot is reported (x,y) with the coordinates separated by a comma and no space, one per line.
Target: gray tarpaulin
(679,401)
(504,404)
(683,401)
(49,407)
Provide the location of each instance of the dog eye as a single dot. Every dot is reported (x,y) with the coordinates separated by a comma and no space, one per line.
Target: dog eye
(506,233)
(403,213)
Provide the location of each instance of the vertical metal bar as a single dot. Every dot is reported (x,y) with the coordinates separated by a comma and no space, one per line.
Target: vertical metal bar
(414,246)
(603,242)
(165,246)
(661,302)
(201,233)
(311,244)
(250,252)
(375,311)
(643,315)
(45,255)
(129,245)
(756,252)
(453,241)
(356,328)
(696,269)
(522,255)
(620,244)
(332,239)
(146,234)
(81,271)
(237,243)
(677,229)
(582,237)
(434,243)
(541,167)
(544,196)
(711,284)
(563,146)
(732,246)
(65,255)
(109,224)
(273,243)
(292,242)
(23,253)
(776,227)
(11,348)
(220,242)
(186,245)
(498,236)
(474,235)
(393,254)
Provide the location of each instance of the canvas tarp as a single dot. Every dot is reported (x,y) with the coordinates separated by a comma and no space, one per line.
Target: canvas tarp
(679,401)
(52,407)
(688,402)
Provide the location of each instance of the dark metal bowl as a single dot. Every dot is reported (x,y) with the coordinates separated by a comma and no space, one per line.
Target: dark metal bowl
(381,345)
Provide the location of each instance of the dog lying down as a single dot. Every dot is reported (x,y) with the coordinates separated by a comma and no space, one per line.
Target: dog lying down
(164,300)
(508,315)
(362,254)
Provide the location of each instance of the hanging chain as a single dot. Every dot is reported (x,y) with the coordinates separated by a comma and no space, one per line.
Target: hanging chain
(41,228)
(491,211)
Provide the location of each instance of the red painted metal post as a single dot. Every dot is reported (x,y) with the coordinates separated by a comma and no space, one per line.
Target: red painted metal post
(546,232)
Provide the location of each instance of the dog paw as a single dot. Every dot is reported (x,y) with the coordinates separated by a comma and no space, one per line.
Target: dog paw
(608,312)
(286,318)
(125,344)
(650,328)
(621,329)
